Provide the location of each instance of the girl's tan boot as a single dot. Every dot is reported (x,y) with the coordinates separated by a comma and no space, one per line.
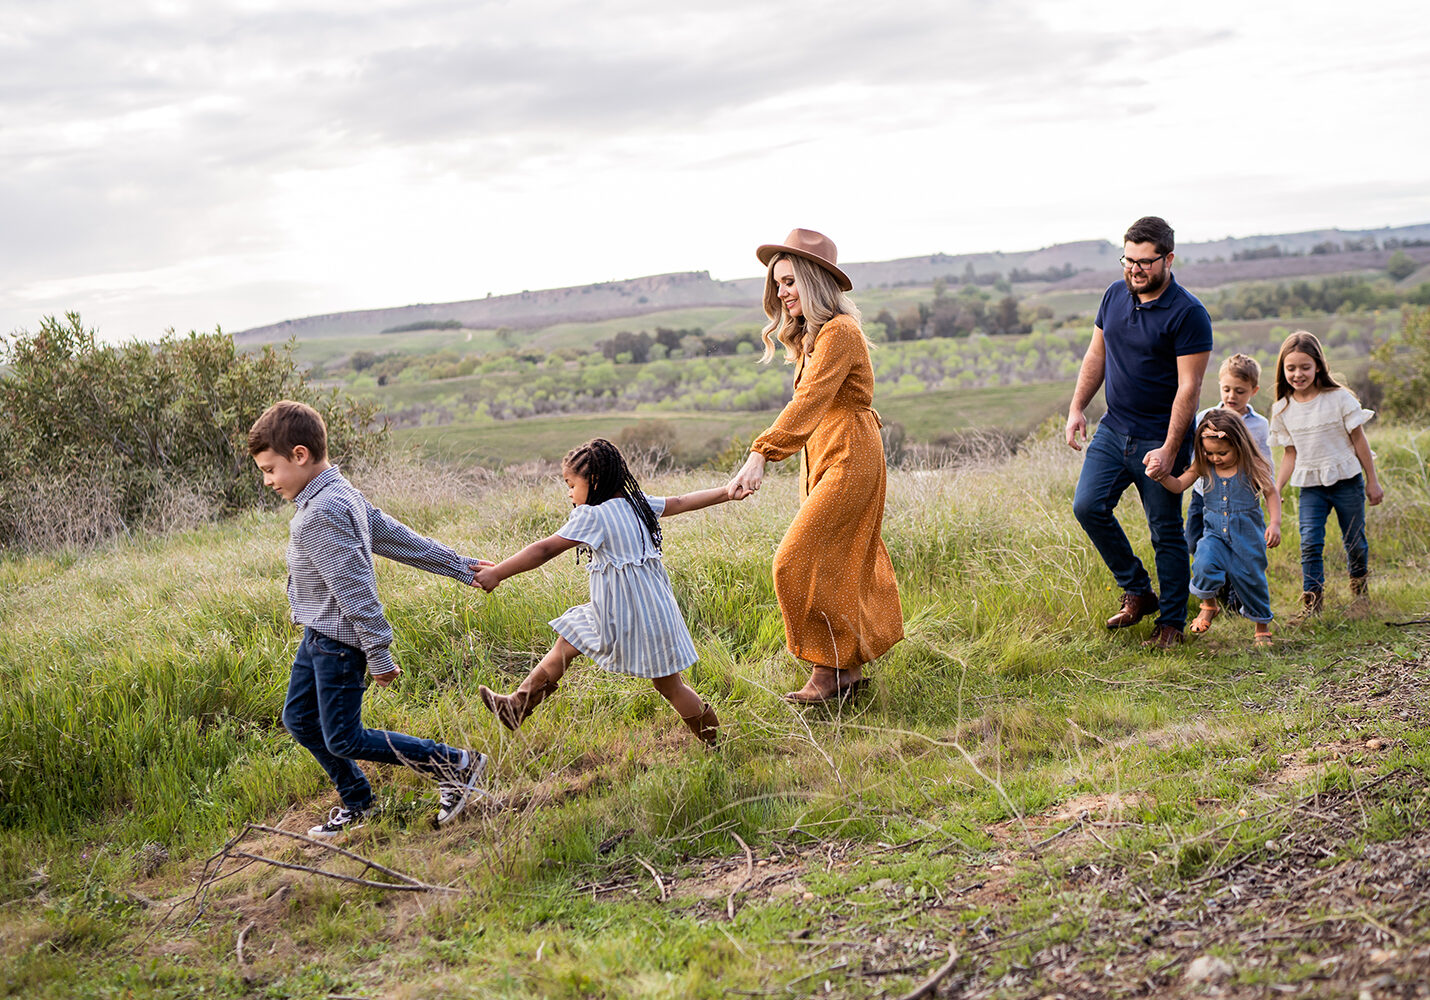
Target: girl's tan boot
(512,709)
(705,726)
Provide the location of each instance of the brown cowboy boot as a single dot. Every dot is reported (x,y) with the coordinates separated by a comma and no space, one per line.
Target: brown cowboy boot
(828,684)
(705,725)
(1311,603)
(512,709)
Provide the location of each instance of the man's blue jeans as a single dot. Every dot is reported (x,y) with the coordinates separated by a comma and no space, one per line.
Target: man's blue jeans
(324,714)
(1347,499)
(1113,463)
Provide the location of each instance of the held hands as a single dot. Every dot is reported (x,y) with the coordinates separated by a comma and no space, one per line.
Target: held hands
(1158,463)
(748,479)
(486,577)
(1077,424)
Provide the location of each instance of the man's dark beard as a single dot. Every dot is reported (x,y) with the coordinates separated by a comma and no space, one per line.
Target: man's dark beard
(1155,283)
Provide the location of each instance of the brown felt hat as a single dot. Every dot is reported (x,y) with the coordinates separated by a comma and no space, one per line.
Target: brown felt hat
(810,245)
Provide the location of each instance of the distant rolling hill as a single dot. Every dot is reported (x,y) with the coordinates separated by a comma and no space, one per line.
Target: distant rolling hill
(1093,261)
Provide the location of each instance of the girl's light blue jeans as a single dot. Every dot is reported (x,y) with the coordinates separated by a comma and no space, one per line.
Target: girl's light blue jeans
(1347,499)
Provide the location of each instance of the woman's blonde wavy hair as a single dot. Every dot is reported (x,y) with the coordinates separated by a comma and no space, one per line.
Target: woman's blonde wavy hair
(820,300)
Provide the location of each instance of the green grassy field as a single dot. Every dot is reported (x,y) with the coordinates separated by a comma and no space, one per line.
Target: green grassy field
(496,444)
(929,416)
(1063,811)
(716,321)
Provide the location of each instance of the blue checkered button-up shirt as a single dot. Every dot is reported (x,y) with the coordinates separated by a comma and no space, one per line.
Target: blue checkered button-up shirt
(331,584)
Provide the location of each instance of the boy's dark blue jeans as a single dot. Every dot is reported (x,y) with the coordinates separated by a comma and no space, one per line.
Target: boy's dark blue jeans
(1113,463)
(324,713)
(1347,499)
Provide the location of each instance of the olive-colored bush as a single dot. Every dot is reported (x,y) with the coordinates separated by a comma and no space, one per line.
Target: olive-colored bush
(99,439)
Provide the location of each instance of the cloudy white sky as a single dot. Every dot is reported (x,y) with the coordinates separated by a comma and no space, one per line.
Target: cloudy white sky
(240,162)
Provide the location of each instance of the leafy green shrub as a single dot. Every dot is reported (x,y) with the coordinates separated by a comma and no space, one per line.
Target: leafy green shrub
(1401,265)
(1401,367)
(98,439)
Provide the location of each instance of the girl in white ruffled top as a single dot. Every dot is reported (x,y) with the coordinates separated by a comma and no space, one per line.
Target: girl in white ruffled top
(632,624)
(1320,423)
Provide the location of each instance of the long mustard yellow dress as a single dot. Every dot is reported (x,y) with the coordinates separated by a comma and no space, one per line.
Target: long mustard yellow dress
(832,574)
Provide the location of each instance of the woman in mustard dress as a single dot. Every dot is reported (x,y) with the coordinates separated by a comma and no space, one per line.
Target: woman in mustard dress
(832,574)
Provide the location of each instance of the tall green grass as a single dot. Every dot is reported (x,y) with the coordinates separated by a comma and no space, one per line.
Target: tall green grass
(140,689)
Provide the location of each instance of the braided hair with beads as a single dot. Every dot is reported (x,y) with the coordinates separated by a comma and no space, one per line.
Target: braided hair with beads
(604,468)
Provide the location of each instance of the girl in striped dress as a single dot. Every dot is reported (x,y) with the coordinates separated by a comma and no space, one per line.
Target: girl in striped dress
(632,624)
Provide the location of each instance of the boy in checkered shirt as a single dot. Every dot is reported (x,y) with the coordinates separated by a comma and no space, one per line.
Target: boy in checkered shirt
(333,594)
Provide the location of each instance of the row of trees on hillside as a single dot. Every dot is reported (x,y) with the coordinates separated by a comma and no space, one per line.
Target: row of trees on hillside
(1325,247)
(971,278)
(627,347)
(968,312)
(1341,294)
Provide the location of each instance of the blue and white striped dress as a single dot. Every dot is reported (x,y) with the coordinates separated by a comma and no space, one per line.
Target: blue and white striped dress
(632,625)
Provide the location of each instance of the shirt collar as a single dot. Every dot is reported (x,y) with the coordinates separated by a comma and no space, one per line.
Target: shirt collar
(316,486)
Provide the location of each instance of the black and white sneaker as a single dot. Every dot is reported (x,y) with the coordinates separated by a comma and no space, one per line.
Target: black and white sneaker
(457,787)
(340,820)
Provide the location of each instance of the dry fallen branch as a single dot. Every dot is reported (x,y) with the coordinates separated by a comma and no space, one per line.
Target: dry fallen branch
(749,870)
(406,881)
(410,885)
(927,987)
(243,969)
(653,874)
(213,867)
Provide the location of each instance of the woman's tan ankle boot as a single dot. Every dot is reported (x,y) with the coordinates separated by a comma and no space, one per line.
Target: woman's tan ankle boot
(705,726)
(828,684)
(512,709)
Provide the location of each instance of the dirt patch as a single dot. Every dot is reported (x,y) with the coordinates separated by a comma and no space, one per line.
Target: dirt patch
(765,880)
(709,886)
(1394,688)
(1360,755)
(1112,807)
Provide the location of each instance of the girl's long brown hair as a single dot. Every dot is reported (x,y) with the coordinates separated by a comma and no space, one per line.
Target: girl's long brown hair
(1305,342)
(1249,460)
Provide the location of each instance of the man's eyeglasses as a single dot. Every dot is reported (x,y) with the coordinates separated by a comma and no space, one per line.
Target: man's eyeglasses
(1133,264)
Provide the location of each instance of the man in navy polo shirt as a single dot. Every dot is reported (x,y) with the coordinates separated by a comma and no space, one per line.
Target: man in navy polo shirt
(1149,349)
